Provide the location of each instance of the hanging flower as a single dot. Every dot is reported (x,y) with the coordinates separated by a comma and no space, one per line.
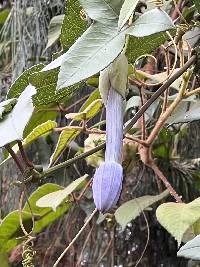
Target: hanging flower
(107,181)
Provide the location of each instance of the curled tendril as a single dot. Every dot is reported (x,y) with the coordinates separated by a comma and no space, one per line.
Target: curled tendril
(28,254)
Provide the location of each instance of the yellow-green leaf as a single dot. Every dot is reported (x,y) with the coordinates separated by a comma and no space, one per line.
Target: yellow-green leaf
(131,209)
(87,113)
(177,218)
(65,138)
(54,199)
(41,130)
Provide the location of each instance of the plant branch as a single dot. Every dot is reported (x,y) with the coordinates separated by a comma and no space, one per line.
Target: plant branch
(15,158)
(193,92)
(159,92)
(161,121)
(23,154)
(158,172)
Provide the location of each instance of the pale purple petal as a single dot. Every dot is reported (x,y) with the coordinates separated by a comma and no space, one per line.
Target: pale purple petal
(107,185)
(114,126)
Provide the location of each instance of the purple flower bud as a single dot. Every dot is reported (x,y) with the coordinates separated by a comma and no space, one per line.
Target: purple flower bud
(114,126)
(107,185)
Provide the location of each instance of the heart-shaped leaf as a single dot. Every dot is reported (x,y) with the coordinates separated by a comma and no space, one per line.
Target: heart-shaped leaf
(131,209)
(54,199)
(12,127)
(97,48)
(191,250)
(153,21)
(176,218)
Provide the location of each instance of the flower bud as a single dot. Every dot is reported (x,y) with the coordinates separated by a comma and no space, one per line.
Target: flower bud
(107,185)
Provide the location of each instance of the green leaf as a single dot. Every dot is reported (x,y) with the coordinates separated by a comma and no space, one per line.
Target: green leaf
(73,26)
(10,229)
(54,30)
(176,218)
(3,16)
(65,138)
(183,114)
(45,83)
(132,209)
(93,96)
(97,48)
(41,130)
(7,106)
(39,117)
(22,81)
(100,11)
(4,260)
(138,46)
(191,250)
(40,192)
(53,200)
(153,21)
(12,127)
(197,5)
(51,217)
(126,11)
(87,113)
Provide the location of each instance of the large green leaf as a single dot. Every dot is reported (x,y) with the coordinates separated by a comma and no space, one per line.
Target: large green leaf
(153,21)
(127,10)
(96,48)
(41,130)
(87,113)
(73,26)
(176,218)
(131,209)
(40,192)
(7,106)
(138,46)
(22,81)
(65,138)
(45,83)
(12,127)
(50,217)
(10,229)
(53,200)
(54,30)
(191,250)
